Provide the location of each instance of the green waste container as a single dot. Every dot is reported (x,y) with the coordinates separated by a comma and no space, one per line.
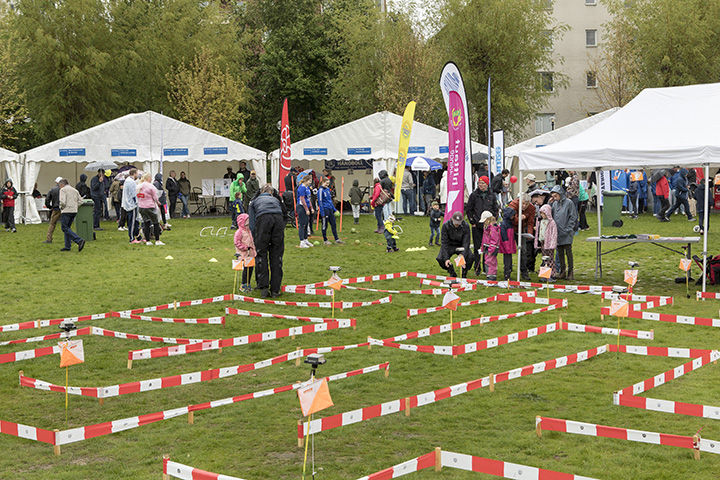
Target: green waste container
(612,207)
(84,221)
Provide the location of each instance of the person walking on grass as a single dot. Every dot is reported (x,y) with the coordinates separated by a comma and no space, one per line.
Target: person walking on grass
(436,216)
(377,190)
(8,195)
(565,215)
(267,224)
(304,210)
(327,210)
(70,200)
(662,192)
(355,200)
(147,198)
(52,203)
(130,205)
(681,196)
(245,249)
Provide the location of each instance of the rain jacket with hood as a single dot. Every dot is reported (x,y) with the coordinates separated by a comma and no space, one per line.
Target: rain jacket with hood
(82,187)
(162,198)
(244,243)
(8,194)
(550,240)
(236,186)
(681,188)
(565,215)
(355,193)
(507,232)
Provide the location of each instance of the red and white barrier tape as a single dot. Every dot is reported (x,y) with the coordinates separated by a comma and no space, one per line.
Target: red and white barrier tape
(306,290)
(641,334)
(667,406)
(103,333)
(185,472)
(516,297)
(712,295)
(187,303)
(340,305)
(434,291)
(669,375)
(28,354)
(666,317)
(248,313)
(47,323)
(158,352)
(395,406)
(204,321)
(593,430)
(636,298)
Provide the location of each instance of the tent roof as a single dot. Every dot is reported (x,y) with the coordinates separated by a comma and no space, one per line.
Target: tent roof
(559,134)
(660,127)
(138,137)
(7,155)
(373,137)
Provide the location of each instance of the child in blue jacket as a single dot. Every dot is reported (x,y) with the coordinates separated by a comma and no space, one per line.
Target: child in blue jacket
(327,210)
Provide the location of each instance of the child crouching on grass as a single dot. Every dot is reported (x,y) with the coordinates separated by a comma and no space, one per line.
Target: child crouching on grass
(490,243)
(507,241)
(391,234)
(546,239)
(245,249)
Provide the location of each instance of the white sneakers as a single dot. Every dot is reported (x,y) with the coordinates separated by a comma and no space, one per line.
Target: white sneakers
(148,243)
(159,243)
(306,244)
(303,245)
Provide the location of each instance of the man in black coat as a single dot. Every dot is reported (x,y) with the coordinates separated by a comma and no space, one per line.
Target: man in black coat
(455,239)
(97,194)
(267,223)
(172,187)
(480,200)
(496,184)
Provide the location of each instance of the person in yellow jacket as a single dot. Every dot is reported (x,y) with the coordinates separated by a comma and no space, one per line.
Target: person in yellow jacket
(392,233)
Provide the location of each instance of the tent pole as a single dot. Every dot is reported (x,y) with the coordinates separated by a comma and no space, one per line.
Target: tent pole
(705,224)
(519,233)
(598,245)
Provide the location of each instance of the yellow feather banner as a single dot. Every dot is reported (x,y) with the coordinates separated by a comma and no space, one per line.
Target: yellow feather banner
(405,131)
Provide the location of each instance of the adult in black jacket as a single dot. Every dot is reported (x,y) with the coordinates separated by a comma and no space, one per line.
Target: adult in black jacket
(480,200)
(267,223)
(455,239)
(82,187)
(52,203)
(97,194)
(172,188)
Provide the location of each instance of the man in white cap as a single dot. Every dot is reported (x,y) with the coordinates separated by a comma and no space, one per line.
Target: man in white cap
(52,203)
(530,182)
(455,239)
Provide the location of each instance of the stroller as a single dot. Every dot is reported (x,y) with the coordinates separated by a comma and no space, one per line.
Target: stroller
(288,200)
(713,269)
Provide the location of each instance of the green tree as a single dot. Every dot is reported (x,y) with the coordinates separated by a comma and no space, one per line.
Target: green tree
(207,96)
(505,40)
(676,43)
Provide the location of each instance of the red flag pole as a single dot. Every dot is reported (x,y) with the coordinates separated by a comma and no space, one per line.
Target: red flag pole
(342,195)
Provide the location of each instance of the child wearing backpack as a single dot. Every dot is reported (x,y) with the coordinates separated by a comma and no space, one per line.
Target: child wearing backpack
(507,241)
(490,243)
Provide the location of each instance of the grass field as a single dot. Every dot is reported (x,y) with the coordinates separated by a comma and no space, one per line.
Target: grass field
(256,439)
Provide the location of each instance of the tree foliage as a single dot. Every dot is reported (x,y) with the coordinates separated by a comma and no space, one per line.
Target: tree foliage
(507,41)
(207,96)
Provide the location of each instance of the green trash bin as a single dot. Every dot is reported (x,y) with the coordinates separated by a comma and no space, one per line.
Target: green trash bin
(84,221)
(612,207)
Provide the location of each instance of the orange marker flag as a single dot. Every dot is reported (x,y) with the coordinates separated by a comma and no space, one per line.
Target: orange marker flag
(460,261)
(250,262)
(237,265)
(314,396)
(685,264)
(72,353)
(545,272)
(450,300)
(631,277)
(619,308)
(335,282)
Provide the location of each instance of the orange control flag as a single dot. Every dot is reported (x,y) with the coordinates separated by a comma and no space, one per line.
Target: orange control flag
(314,396)
(335,282)
(685,264)
(72,353)
(545,272)
(460,261)
(237,265)
(631,277)
(450,301)
(619,308)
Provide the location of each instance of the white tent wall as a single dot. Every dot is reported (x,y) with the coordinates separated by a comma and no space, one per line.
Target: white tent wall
(13,171)
(138,138)
(374,137)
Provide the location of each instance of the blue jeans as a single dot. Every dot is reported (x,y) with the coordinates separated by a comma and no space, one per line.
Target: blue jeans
(302,223)
(66,221)
(436,232)
(408,199)
(379,217)
(329,219)
(184,200)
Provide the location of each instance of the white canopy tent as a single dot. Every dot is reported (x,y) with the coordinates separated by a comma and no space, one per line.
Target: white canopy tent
(145,139)
(374,137)
(661,127)
(13,170)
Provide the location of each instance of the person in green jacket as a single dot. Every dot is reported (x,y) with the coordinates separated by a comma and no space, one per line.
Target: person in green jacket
(583,199)
(238,186)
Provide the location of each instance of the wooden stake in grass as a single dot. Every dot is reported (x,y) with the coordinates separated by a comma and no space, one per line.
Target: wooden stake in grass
(342,195)
(438,459)
(56,448)
(619,308)
(335,283)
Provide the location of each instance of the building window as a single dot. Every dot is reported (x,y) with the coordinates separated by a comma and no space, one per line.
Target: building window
(544,122)
(590,79)
(590,2)
(591,38)
(548,34)
(546,81)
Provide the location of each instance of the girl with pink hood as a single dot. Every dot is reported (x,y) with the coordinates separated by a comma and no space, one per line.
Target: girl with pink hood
(245,249)
(546,238)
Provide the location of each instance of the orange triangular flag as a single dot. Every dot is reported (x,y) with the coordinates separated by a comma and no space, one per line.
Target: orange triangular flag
(619,308)
(314,396)
(545,272)
(460,261)
(237,264)
(335,282)
(250,262)
(450,300)
(631,277)
(72,353)
(685,264)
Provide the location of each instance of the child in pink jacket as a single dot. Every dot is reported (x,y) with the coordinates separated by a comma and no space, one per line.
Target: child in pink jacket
(490,243)
(245,248)
(546,238)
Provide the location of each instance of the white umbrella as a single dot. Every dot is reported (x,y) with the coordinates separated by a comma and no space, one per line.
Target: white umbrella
(422,164)
(104,164)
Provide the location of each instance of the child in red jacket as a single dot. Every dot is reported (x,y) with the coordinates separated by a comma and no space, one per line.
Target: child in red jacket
(8,195)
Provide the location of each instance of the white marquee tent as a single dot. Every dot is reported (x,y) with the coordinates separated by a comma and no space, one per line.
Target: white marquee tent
(11,160)
(374,137)
(145,139)
(661,127)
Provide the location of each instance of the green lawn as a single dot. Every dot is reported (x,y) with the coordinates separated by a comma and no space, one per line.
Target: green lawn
(256,439)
